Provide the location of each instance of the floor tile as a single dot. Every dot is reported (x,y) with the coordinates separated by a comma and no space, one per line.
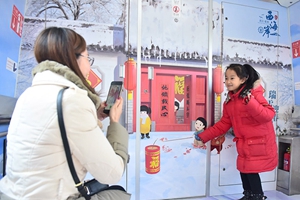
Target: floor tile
(272,195)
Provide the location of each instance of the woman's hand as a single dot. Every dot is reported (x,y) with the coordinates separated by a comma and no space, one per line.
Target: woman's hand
(116,110)
(101,115)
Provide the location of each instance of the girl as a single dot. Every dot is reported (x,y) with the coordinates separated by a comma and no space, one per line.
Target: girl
(250,115)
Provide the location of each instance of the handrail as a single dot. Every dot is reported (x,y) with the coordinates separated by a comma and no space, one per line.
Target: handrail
(4,119)
(3,134)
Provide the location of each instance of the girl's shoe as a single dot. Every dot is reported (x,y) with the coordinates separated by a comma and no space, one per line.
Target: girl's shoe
(258,197)
(247,195)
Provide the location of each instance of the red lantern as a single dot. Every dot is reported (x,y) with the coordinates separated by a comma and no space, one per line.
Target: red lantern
(130,74)
(218,85)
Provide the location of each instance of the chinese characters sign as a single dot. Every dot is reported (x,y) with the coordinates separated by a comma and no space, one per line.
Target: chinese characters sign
(187,102)
(272,98)
(17,21)
(296,49)
(176,9)
(179,88)
(164,103)
(268,24)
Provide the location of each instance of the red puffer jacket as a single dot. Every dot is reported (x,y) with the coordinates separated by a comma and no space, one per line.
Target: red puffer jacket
(253,128)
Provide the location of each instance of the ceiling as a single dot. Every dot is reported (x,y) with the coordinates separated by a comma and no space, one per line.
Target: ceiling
(284,3)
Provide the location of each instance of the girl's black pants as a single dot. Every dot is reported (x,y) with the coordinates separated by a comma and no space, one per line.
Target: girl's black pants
(252,182)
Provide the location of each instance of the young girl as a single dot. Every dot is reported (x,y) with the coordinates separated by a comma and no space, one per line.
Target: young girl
(249,114)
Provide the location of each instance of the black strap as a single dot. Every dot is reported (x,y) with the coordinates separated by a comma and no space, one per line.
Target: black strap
(62,128)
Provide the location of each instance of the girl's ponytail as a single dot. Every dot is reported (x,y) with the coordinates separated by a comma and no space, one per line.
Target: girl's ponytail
(253,76)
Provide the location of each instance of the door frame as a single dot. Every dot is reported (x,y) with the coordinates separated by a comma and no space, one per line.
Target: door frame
(170,70)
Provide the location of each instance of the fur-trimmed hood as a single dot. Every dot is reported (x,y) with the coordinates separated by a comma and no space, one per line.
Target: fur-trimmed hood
(256,84)
(245,93)
(68,74)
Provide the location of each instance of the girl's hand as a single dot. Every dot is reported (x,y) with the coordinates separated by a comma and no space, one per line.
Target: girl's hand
(116,110)
(248,98)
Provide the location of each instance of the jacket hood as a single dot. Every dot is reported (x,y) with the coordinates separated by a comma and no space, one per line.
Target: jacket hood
(256,85)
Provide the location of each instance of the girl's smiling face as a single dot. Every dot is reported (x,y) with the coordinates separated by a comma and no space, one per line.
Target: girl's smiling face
(232,81)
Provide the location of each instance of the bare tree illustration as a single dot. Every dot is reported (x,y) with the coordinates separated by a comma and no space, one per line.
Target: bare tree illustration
(99,11)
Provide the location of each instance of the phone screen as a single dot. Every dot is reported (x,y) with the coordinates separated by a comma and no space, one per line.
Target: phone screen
(114,93)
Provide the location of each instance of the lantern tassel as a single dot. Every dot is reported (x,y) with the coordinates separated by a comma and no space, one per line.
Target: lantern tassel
(218,98)
(130,95)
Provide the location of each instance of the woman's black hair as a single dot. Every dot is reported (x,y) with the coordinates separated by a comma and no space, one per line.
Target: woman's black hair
(245,71)
(201,119)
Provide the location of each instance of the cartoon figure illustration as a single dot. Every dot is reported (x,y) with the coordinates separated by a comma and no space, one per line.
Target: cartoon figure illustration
(176,106)
(200,126)
(145,121)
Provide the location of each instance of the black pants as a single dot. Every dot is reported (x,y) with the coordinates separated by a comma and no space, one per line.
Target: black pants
(252,182)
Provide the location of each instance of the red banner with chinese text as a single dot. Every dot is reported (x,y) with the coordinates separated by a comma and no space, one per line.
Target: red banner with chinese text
(17,20)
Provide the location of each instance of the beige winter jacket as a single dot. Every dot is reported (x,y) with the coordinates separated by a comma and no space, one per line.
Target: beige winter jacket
(36,162)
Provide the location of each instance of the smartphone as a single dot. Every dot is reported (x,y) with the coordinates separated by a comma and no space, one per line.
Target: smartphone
(114,92)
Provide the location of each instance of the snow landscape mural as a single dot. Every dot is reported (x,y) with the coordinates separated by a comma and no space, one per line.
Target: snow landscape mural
(99,22)
(180,38)
(108,12)
(99,38)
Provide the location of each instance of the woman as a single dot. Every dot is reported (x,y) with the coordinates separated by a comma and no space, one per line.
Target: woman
(36,162)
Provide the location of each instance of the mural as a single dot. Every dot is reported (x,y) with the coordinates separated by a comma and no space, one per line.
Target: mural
(167,157)
(185,37)
(108,12)
(100,23)
(169,166)
(268,51)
